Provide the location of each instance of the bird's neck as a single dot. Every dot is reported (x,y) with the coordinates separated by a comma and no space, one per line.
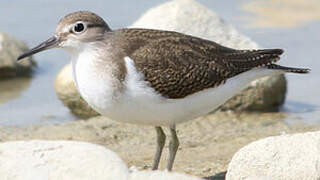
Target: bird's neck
(99,58)
(97,71)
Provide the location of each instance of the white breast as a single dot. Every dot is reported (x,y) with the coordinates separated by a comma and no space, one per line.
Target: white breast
(95,87)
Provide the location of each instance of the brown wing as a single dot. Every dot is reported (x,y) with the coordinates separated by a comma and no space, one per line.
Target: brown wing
(177,65)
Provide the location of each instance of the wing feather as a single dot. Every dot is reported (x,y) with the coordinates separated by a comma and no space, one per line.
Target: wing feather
(177,65)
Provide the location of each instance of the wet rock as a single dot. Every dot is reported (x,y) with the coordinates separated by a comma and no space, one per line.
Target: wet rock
(293,156)
(10,49)
(13,88)
(265,94)
(62,160)
(190,17)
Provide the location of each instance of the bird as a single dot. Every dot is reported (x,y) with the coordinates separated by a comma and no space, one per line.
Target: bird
(155,77)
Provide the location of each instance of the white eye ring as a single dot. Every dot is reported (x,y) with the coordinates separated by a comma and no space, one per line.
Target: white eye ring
(79,27)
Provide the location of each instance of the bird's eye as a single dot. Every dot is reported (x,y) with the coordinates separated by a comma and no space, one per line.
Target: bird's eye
(79,28)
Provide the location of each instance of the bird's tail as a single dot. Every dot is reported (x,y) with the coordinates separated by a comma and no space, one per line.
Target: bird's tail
(288,69)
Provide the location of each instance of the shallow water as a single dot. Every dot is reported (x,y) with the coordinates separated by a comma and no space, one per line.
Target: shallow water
(29,101)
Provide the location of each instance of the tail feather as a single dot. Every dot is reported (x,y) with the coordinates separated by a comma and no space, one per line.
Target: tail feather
(248,59)
(289,69)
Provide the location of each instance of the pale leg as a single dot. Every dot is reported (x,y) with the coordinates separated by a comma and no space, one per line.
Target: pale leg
(173,147)
(161,139)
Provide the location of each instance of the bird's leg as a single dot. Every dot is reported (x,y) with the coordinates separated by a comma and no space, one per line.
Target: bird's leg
(161,139)
(173,147)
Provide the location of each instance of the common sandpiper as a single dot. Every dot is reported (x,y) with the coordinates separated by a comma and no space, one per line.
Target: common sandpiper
(155,77)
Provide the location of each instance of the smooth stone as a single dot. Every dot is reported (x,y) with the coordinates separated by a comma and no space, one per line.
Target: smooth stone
(63,160)
(160,175)
(292,156)
(179,15)
(10,49)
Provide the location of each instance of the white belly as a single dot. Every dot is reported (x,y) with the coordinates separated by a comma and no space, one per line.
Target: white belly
(140,104)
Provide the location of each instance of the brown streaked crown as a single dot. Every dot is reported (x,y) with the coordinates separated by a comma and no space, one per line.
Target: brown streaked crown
(84,16)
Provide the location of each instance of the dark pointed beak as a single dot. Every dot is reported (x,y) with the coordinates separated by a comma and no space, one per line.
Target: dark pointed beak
(48,44)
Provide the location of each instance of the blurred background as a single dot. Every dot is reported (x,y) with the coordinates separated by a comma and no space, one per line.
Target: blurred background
(289,24)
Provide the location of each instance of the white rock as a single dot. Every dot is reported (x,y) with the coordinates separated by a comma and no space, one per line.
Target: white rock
(59,160)
(69,160)
(160,175)
(191,17)
(295,156)
(260,178)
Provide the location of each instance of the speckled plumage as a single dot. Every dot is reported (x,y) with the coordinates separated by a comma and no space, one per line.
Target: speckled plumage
(177,65)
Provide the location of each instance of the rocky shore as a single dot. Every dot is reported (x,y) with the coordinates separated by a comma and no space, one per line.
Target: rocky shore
(207,144)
